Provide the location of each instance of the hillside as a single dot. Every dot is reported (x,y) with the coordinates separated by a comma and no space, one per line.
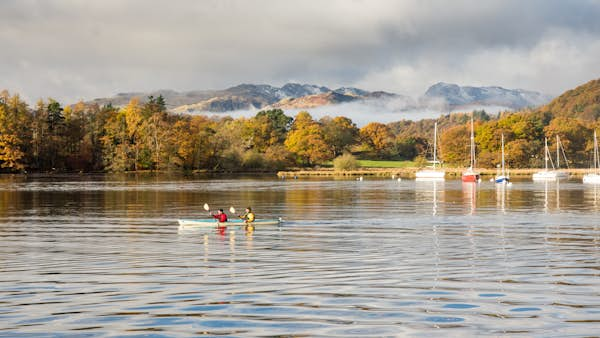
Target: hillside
(582,102)
(316,100)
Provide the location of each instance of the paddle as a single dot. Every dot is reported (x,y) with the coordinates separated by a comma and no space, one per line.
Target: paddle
(207,208)
(232,211)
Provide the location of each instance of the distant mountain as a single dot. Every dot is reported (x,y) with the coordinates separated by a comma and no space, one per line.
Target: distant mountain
(458,96)
(251,96)
(316,100)
(440,96)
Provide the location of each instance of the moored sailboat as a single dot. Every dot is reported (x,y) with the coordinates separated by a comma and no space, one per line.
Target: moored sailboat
(554,174)
(432,174)
(503,176)
(594,176)
(470,175)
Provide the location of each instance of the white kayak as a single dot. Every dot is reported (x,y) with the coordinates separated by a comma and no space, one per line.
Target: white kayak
(209,222)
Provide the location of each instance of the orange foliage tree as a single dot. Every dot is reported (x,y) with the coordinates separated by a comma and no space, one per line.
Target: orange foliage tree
(378,137)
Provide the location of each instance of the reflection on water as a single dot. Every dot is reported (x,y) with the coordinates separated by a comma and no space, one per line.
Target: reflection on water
(86,255)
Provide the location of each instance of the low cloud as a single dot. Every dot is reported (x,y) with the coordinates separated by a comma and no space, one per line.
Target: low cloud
(381,110)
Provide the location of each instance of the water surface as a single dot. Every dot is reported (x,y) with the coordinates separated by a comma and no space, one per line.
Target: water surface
(102,256)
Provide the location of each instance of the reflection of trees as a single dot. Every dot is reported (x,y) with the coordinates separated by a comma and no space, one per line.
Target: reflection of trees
(308,202)
(7,199)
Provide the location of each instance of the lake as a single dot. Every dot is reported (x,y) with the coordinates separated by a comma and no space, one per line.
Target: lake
(101,255)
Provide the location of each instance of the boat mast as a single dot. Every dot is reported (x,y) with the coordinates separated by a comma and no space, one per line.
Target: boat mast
(503,154)
(434,145)
(546,153)
(595,153)
(472,145)
(557,153)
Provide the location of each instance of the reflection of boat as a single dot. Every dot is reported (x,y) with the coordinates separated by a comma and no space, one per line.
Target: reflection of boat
(503,177)
(236,222)
(594,176)
(470,195)
(426,186)
(551,175)
(470,175)
(501,194)
(432,173)
(547,195)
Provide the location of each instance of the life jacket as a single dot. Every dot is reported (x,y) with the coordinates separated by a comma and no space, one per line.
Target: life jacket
(221,218)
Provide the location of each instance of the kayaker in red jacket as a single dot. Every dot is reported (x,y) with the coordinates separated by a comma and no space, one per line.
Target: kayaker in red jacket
(220,216)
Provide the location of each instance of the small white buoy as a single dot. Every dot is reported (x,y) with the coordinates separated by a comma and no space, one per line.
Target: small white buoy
(360,178)
(399,179)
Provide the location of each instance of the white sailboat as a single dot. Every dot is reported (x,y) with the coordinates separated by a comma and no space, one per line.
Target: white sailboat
(470,175)
(432,174)
(594,176)
(503,176)
(554,174)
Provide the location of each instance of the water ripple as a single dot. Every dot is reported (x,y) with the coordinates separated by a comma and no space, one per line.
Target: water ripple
(374,258)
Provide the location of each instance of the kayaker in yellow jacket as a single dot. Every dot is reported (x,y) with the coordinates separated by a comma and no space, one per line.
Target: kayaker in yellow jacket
(249,216)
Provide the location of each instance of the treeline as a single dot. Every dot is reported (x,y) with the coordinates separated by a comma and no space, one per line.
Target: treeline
(144,136)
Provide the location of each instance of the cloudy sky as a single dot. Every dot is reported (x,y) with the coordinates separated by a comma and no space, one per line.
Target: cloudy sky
(72,50)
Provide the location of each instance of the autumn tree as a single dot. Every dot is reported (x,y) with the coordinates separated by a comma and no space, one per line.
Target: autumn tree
(15,126)
(378,138)
(78,138)
(575,137)
(306,140)
(116,144)
(340,133)
(266,129)
(454,145)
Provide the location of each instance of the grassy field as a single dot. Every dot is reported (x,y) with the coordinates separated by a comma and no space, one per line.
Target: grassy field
(385,164)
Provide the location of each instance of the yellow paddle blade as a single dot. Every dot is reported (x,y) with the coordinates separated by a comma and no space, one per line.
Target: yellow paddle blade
(206,207)
(232,210)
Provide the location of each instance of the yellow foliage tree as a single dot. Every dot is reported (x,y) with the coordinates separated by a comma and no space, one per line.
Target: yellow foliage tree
(306,140)
(340,133)
(15,124)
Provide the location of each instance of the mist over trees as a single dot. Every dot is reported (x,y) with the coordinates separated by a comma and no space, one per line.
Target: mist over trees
(145,136)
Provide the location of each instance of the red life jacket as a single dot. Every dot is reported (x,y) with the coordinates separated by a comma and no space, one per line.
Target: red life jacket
(222,217)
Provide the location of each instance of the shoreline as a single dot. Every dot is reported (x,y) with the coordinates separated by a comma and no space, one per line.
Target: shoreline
(406,172)
(410,172)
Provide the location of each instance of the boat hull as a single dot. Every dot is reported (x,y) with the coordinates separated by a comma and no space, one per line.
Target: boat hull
(501,179)
(430,174)
(591,178)
(236,222)
(550,176)
(470,176)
